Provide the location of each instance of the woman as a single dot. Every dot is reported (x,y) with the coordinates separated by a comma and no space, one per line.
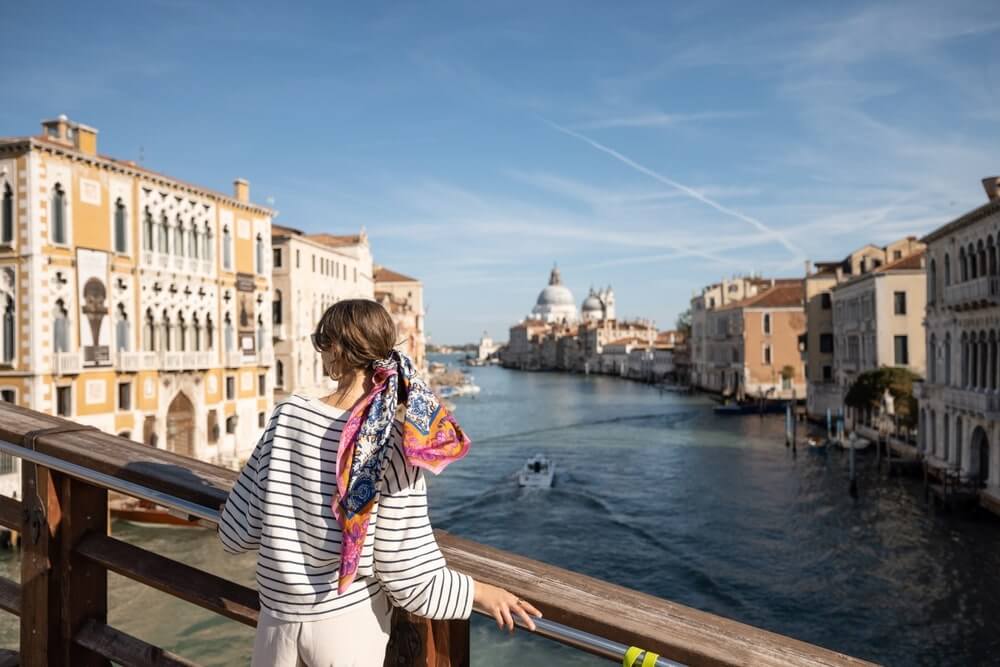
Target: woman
(334,499)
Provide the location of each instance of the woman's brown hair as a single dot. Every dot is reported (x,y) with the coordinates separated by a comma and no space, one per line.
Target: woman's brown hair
(357,332)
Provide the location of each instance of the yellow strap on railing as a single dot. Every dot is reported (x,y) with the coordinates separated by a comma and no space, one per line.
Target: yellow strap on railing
(649,660)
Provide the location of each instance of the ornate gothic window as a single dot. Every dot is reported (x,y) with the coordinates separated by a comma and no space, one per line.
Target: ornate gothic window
(227,248)
(57,215)
(149,333)
(121,236)
(60,328)
(147,230)
(259,249)
(121,328)
(164,245)
(8,325)
(7,215)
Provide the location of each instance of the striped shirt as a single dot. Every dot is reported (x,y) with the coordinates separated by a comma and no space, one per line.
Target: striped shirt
(281,506)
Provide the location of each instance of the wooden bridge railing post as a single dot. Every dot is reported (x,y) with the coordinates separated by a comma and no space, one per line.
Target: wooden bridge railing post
(421,642)
(60,590)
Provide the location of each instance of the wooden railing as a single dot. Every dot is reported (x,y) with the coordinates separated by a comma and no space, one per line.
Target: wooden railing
(68,551)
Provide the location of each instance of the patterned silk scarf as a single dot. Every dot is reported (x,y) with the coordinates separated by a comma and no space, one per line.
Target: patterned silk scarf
(431,439)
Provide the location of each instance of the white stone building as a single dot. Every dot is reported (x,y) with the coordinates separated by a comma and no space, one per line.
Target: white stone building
(311,273)
(960,399)
(877,321)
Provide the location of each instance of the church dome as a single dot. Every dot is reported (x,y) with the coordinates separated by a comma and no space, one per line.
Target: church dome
(555,295)
(555,303)
(592,304)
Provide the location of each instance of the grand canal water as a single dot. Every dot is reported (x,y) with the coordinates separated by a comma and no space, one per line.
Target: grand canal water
(657,493)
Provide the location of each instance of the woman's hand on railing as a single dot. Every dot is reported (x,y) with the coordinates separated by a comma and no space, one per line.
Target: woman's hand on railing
(501,604)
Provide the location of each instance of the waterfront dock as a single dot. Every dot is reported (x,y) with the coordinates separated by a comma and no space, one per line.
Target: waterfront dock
(67,552)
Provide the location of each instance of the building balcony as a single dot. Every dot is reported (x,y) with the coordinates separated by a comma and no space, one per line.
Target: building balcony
(162,261)
(148,360)
(206,266)
(178,263)
(985,403)
(233,358)
(194,265)
(67,363)
(129,362)
(171,361)
(978,293)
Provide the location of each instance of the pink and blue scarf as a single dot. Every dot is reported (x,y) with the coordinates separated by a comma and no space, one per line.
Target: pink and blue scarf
(431,440)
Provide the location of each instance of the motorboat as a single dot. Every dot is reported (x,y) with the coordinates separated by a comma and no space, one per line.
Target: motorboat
(817,445)
(537,473)
(750,408)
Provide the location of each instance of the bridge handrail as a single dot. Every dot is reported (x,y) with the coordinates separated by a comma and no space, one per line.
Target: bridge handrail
(77,468)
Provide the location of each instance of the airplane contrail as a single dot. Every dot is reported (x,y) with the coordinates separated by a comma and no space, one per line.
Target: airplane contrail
(694,194)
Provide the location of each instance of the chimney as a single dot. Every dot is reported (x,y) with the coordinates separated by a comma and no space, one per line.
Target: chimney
(808,267)
(992,187)
(241,190)
(65,131)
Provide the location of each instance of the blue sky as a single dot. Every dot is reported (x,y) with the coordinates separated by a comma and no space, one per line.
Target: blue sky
(655,147)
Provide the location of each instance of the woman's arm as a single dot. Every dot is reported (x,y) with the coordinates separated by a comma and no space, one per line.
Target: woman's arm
(241,516)
(408,561)
(410,565)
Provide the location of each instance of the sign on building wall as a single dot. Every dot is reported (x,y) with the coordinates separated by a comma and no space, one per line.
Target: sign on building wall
(95,321)
(245,313)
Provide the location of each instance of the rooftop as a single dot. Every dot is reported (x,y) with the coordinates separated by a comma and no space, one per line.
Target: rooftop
(384,275)
(786,294)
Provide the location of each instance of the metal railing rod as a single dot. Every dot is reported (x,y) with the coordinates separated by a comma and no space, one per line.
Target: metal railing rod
(85,474)
(550,629)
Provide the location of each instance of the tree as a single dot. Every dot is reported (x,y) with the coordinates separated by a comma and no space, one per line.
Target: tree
(787,372)
(683,323)
(868,388)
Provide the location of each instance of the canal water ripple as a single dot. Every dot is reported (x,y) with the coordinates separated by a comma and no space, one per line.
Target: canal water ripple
(655,492)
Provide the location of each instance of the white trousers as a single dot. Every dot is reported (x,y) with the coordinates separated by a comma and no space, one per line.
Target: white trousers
(355,638)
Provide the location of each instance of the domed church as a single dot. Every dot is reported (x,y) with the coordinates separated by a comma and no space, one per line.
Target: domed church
(599,305)
(555,302)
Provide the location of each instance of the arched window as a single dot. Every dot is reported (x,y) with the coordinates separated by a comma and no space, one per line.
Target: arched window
(196,338)
(207,239)
(947,270)
(227,333)
(58,214)
(991,257)
(121,328)
(931,359)
(147,230)
(149,333)
(182,331)
(279,374)
(9,328)
(963,265)
(981,263)
(261,333)
(164,246)
(165,331)
(179,237)
(259,249)
(7,215)
(209,333)
(8,325)
(973,266)
(227,248)
(947,359)
(121,240)
(276,308)
(931,282)
(195,240)
(60,328)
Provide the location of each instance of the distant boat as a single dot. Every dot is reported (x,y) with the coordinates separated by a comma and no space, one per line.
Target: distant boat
(816,444)
(537,473)
(750,408)
(145,513)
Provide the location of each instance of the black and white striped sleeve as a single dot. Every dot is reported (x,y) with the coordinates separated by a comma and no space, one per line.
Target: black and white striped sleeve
(241,518)
(408,561)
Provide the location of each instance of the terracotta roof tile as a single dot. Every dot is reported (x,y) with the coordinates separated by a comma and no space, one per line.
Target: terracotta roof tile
(384,275)
(784,295)
(335,240)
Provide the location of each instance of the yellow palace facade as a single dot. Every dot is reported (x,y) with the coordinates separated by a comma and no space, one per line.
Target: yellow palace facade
(131,300)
